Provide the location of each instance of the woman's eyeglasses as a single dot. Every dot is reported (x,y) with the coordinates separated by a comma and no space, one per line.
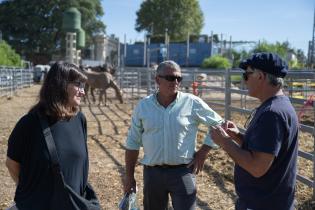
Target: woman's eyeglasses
(171,78)
(246,74)
(78,84)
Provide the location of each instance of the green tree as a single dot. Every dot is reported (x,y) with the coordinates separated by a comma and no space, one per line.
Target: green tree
(178,17)
(34,28)
(301,58)
(237,57)
(216,62)
(284,50)
(8,57)
(234,56)
(281,49)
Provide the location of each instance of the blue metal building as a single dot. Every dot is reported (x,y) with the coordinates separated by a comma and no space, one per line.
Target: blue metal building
(158,52)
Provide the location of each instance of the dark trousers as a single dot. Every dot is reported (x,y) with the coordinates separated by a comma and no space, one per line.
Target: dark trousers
(160,182)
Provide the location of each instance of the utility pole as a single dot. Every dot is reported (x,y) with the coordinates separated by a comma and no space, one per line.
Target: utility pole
(125,49)
(187,52)
(118,54)
(230,51)
(145,50)
(221,44)
(166,43)
(211,40)
(312,50)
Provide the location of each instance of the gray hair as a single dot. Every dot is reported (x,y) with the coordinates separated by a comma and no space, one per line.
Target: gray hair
(275,81)
(169,64)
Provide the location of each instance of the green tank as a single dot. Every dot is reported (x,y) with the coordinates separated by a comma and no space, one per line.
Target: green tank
(71,22)
(80,38)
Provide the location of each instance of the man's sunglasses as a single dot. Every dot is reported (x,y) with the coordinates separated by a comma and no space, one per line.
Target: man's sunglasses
(246,74)
(171,78)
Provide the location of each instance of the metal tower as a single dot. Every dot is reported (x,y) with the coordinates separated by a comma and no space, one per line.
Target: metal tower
(311,46)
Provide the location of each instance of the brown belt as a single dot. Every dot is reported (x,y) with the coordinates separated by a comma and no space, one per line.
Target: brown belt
(167,166)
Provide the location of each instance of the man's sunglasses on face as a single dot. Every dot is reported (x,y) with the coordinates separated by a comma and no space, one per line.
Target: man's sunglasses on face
(171,78)
(246,74)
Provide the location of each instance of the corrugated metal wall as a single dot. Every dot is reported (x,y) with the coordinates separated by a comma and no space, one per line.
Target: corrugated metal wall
(177,52)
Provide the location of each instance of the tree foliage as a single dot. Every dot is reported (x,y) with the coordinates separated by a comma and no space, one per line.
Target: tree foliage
(179,17)
(216,62)
(8,57)
(279,48)
(238,56)
(297,61)
(295,58)
(34,28)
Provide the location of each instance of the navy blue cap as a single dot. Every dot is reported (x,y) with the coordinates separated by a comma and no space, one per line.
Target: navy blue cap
(267,62)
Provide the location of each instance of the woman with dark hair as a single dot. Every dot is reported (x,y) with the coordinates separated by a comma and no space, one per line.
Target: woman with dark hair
(28,159)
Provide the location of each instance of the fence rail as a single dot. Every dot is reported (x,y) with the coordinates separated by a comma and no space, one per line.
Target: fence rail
(219,81)
(12,79)
(139,82)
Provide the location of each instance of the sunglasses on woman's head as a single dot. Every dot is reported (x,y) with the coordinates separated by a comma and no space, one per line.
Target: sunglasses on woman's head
(171,78)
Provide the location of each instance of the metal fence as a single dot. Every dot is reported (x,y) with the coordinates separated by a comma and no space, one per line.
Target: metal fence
(139,82)
(305,76)
(228,96)
(12,79)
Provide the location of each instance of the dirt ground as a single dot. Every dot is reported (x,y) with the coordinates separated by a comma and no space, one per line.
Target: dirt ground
(107,129)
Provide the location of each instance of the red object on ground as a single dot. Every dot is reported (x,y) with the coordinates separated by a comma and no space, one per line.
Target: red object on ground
(308,103)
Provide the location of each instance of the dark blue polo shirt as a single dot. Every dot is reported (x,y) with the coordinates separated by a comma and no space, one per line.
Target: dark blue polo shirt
(273,130)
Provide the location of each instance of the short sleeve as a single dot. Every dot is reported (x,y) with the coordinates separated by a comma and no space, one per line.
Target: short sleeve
(267,134)
(18,138)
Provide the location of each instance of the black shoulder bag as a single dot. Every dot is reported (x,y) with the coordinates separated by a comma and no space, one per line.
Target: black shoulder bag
(64,197)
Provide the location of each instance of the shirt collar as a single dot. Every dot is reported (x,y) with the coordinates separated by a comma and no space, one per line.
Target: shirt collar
(178,96)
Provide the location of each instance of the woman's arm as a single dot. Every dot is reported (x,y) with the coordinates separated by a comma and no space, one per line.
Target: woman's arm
(14,169)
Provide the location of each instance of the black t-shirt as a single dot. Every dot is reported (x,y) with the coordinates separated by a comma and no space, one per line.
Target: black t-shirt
(27,146)
(273,130)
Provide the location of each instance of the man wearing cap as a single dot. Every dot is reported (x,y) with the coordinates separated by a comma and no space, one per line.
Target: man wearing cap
(266,154)
(165,124)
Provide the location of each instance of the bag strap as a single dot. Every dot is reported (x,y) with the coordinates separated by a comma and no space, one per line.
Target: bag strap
(49,142)
(51,146)
(76,200)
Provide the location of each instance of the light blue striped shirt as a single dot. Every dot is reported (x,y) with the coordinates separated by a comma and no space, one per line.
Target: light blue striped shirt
(168,135)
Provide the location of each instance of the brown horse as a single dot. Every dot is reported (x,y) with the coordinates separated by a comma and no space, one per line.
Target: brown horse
(101,80)
(105,68)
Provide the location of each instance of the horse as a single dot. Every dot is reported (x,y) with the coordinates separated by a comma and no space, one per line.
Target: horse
(105,68)
(102,80)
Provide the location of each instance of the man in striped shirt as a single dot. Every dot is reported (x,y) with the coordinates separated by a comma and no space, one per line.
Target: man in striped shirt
(165,124)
